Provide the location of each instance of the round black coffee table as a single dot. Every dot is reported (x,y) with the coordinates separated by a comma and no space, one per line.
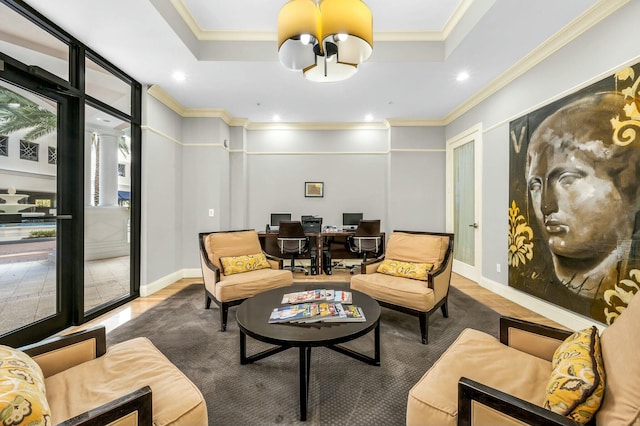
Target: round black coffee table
(253,320)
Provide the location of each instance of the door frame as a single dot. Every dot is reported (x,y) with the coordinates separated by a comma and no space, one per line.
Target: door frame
(472,134)
(67,246)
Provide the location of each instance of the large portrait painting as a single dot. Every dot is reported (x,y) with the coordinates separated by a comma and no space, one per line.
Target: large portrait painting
(574,198)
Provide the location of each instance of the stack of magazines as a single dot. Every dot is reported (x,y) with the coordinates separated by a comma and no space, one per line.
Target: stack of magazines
(315,306)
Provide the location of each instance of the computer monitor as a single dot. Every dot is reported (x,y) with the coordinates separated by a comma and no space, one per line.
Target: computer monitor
(351,220)
(276,218)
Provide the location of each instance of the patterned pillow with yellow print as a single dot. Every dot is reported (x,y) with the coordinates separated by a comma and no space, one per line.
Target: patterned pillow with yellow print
(22,392)
(577,381)
(397,268)
(240,264)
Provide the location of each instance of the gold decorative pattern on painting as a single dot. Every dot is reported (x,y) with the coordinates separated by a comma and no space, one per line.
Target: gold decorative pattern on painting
(626,131)
(520,236)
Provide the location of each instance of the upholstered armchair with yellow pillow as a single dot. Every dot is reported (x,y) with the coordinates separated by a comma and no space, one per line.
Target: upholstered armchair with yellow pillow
(412,277)
(234,268)
(76,380)
(534,374)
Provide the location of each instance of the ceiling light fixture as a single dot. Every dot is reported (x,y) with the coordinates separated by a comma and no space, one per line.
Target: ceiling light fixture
(325,39)
(179,76)
(462,76)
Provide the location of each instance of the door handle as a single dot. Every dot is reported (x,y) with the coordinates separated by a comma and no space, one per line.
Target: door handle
(474,225)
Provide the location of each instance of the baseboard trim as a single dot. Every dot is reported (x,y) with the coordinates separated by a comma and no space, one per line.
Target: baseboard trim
(152,287)
(555,313)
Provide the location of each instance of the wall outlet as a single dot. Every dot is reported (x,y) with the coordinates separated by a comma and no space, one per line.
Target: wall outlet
(498,267)
(211,212)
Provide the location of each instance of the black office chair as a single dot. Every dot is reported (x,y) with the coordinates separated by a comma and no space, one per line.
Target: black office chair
(293,241)
(367,240)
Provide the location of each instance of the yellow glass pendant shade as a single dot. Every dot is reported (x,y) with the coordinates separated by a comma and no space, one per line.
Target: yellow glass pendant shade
(325,39)
(297,17)
(350,17)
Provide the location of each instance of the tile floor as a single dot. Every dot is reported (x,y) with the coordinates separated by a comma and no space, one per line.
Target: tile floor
(28,287)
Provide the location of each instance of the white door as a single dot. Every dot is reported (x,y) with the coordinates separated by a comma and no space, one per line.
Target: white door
(464,153)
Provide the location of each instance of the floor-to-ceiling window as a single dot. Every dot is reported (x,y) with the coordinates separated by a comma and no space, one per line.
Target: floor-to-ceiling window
(69,179)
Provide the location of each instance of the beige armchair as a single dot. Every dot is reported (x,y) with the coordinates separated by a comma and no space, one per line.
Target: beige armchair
(420,295)
(75,380)
(482,380)
(229,289)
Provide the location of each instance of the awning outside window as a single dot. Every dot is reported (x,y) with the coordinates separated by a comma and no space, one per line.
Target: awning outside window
(124,195)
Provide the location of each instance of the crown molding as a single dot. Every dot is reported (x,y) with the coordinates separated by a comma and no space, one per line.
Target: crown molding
(415,122)
(202,34)
(317,126)
(578,26)
(456,17)
(169,101)
(166,99)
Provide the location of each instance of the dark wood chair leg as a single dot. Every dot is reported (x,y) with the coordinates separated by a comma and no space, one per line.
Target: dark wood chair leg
(207,301)
(424,327)
(445,307)
(224,311)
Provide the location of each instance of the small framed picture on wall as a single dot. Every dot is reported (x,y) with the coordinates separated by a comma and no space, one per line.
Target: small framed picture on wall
(314,189)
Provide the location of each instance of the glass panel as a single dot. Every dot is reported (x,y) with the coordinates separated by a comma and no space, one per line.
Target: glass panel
(23,40)
(464,203)
(28,291)
(107,214)
(108,88)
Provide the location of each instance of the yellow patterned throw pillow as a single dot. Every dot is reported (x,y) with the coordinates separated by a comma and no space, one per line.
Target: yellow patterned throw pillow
(576,385)
(239,264)
(397,268)
(22,393)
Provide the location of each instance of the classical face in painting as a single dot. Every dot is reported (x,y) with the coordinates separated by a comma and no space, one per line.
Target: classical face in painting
(584,191)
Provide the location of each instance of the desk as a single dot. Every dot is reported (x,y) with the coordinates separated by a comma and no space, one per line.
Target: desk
(320,241)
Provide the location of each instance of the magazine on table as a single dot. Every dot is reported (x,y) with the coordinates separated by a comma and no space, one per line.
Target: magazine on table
(348,313)
(323,311)
(342,296)
(303,313)
(317,295)
(291,313)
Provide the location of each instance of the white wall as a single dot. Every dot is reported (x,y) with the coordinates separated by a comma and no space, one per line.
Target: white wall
(417,179)
(205,183)
(162,221)
(351,163)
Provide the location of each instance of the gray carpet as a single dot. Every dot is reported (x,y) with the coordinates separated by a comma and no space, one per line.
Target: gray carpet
(342,390)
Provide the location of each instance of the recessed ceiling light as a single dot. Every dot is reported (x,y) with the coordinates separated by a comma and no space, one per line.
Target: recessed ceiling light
(179,76)
(462,76)
(368,117)
(276,117)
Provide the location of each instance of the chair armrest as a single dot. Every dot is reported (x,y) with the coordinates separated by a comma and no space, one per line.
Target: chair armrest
(470,390)
(63,352)
(209,270)
(535,339)
(131,409)
(371,265)
(274,258)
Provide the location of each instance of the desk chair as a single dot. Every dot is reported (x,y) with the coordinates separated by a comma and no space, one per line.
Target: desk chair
(367,240)
(292,240)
